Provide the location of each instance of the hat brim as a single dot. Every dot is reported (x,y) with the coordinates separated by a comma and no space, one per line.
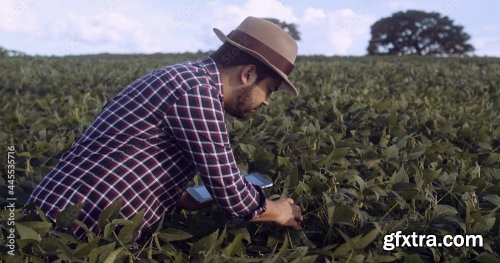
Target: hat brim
(286,84)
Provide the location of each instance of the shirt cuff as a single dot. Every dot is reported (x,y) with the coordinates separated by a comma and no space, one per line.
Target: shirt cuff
(260,209)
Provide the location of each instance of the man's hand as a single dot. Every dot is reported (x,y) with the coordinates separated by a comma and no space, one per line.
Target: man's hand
(189,203)
(283,212)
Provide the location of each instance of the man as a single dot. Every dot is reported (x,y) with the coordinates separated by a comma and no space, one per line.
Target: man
(148,141)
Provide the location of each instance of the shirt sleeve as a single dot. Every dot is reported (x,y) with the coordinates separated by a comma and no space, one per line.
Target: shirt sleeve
(198,124)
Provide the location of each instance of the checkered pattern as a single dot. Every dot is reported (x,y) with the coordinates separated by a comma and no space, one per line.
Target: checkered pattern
(144,147)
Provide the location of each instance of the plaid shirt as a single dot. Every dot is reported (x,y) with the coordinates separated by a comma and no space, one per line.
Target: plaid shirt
(144,147)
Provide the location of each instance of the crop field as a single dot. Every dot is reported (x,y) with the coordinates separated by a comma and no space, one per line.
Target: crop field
(372,146)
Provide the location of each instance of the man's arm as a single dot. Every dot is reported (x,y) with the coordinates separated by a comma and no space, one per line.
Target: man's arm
(283,212)
(198,125)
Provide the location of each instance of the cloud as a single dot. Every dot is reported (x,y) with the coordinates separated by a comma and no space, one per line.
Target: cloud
(271,8)
(487,46)
(17,16)
(314,15)
(228,17)
(403,5)
(103,27)
(336,32)
(331,32)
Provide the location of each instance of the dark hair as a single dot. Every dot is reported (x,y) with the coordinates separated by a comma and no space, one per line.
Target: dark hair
(230,56)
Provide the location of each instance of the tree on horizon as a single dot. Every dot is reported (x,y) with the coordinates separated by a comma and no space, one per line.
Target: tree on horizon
(291,28)
(418,32)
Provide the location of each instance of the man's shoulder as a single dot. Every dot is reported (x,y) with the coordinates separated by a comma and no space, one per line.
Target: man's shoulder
(167,84)
(188,72)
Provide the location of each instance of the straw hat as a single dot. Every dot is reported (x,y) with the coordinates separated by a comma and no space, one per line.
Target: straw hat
(266,42)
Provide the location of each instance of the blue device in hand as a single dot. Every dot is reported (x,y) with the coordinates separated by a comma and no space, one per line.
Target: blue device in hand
(201,194)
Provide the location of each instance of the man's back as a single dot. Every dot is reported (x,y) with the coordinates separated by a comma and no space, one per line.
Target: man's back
(129,151)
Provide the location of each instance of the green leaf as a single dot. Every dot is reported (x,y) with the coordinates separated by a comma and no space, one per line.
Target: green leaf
(335,154)
(96,252)
(402,142)
(263,159)
(484,227)
(298,253)
(367,239)
(121,222)
(42,215)
(444,211)
(113,255)
(494,189)
(391,153)
(281,252)
(63,247)
(238,125)
(413,258)
(343,249)
(343,214)
(171,234)
(204,244)
(26,155)
(68,215)
(416,152)
(358,258)
(109,213)
(86,249)
(41,228)
(493,158)
(399,187)
(300,235)
(400,176)
(342,162)
(234,247)
(383,258)
(306,259)
(306,163)
(243,232)
(494,199)
(487,258)
(127,233)
(48,245)
(284,162)
(108,230)
(65,238)
(372,163)
(26,244)
(15,259)
(302,188)
(79,223)
(26,232)
(248,149)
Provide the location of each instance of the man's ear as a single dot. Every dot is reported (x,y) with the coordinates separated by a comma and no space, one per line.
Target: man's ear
(248,74)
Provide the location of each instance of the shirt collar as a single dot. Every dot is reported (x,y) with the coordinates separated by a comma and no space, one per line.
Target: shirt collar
(209,65)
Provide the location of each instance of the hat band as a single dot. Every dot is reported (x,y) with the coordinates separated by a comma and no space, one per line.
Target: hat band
(256,45)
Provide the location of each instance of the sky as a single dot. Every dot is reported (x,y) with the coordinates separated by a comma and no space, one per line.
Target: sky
(63,27)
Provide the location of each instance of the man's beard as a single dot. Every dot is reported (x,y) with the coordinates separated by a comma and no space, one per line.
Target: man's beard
(244,101)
